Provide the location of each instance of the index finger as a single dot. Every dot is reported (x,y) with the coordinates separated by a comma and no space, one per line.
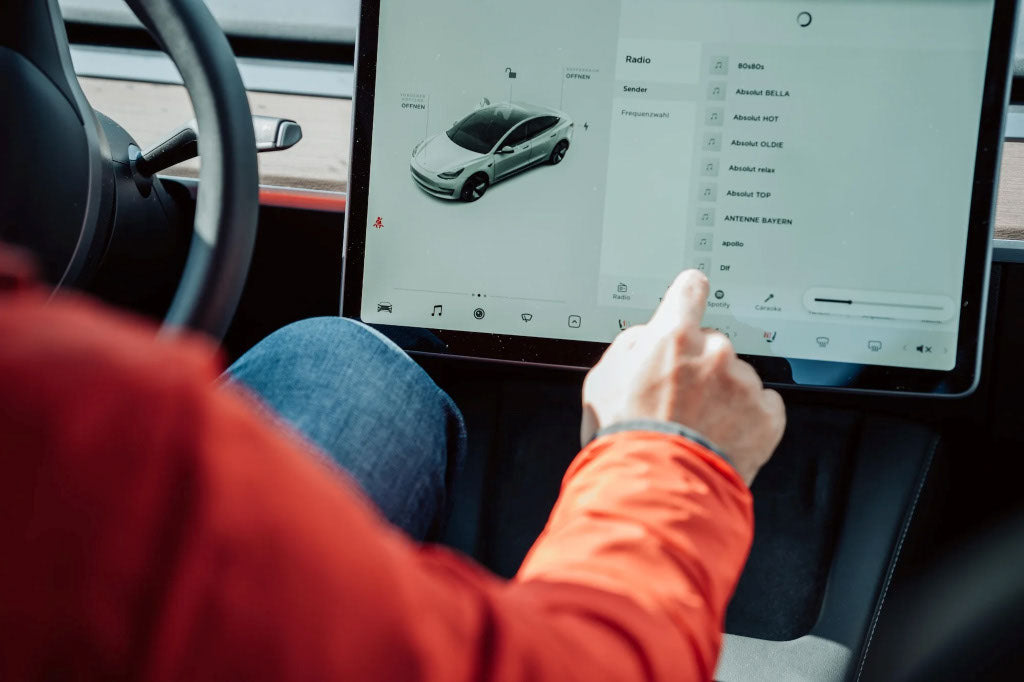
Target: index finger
(685,301)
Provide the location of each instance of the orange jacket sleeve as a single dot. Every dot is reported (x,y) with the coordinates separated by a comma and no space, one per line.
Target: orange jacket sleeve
(154,527)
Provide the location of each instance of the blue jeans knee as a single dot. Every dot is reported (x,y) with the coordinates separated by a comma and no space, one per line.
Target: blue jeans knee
(368,406)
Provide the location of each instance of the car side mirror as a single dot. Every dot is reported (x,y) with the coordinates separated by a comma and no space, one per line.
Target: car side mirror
(506,150)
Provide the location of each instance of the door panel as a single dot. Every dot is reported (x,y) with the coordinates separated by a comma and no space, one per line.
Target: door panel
(505,164)
(543,134)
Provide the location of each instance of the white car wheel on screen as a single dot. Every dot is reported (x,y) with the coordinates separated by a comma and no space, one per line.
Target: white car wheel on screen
(558,153)
(475,187)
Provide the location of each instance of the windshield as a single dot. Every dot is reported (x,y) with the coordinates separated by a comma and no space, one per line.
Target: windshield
(481,130)
(330,21)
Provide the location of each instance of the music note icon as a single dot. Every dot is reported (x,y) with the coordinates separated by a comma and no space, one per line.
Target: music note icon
(438,311)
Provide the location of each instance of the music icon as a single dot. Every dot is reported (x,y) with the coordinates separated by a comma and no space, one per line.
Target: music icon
(438,311)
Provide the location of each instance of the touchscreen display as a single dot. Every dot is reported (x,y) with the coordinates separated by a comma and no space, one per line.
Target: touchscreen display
(545,169)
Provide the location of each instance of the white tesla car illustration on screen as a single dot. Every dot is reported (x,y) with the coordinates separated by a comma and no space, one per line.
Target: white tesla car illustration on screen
(487,146)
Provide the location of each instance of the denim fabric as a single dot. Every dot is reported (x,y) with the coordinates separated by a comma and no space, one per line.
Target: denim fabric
(370,408)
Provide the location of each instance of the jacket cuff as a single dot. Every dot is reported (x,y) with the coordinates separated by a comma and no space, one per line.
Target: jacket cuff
(656,426)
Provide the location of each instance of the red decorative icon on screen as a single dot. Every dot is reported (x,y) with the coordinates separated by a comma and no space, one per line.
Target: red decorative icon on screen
(378,223)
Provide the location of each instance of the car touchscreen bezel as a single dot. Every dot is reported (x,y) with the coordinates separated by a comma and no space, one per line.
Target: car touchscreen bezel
(961,380)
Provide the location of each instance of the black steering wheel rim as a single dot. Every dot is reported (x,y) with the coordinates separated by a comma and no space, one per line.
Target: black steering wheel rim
(227,204)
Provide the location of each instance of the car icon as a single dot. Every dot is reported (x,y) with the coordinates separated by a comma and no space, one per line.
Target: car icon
(487,146)
(385,307)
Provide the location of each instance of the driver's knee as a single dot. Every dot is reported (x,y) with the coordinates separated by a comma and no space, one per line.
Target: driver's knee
(321,343)
(369,406)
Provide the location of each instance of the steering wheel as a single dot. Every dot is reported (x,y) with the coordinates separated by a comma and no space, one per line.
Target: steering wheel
(70,185)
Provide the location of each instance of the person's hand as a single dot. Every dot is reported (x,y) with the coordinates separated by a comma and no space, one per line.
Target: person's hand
(673,370)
